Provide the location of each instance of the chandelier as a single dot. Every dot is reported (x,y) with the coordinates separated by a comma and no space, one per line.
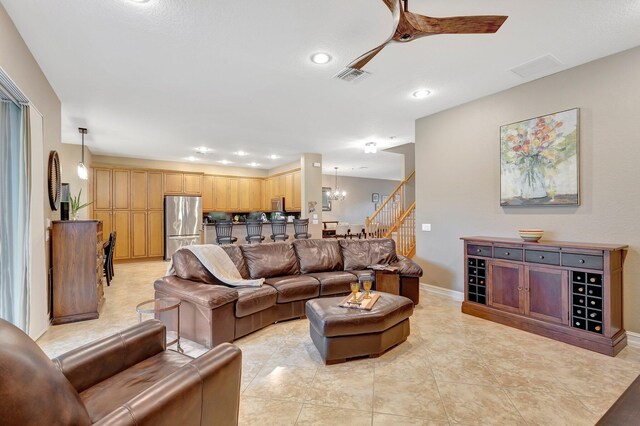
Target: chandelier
(337,194)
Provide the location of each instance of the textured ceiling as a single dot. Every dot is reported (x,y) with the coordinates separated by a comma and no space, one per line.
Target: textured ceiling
(157,79)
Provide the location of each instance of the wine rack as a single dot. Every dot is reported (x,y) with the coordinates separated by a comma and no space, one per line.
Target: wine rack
(586,289)
(477,280)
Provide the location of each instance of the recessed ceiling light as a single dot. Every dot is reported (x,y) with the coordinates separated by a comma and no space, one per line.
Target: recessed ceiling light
(241,153)
(225,162)
(421,93)
(320,58)
(274,157)
(254,164)
(370,148)
(191,158)
(203,150)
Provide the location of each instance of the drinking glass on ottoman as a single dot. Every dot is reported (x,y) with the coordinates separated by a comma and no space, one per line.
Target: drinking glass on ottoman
(342,333)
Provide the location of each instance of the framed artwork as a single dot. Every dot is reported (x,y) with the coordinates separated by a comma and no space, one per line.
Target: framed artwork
(539,161)
(376,206)
(326,203)
(375,197)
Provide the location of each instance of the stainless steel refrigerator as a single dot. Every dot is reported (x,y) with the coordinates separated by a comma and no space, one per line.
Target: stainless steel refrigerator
(182,223)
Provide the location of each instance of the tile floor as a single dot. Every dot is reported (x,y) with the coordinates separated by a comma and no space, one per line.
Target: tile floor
(454,369)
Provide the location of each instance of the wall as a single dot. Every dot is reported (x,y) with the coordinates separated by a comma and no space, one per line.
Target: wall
(458,176)
(20,65)
(181,166)
(70,156)
(358,205)
(408,150)
(311,189)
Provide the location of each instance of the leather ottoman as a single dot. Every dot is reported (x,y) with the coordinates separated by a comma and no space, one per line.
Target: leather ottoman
(342,333)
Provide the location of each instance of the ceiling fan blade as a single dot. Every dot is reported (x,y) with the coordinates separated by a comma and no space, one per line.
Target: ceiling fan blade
(392,4)
(456,24)
(364,59)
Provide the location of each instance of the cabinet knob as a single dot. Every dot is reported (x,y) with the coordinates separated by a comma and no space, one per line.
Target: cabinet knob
(581,260)
(479,251)
(507,253)
(541,257)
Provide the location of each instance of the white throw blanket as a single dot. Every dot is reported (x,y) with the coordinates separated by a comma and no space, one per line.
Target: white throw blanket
(218,262)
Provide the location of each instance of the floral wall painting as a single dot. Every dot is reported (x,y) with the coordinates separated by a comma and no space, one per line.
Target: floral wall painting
(539,161)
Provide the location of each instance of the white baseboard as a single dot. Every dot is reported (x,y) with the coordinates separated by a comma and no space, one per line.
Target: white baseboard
(451,294)
(633,339)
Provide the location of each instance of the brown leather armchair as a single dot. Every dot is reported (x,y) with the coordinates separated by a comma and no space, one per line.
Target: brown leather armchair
(125,379)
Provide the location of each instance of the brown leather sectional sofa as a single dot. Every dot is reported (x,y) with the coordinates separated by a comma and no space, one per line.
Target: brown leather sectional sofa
(212,313)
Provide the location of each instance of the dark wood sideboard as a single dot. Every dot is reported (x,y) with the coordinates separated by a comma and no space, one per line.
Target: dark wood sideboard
(570,292)
(77,261)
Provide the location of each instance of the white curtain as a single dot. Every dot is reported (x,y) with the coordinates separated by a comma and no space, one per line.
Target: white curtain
(14,213)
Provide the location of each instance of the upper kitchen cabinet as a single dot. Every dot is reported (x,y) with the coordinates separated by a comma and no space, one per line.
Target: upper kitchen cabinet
(192,183)
(233,194)
(121,194)
(297,192)
(220,189)
(173,183)
(139,190)
(102,189)
(155,193)
(208,199)
(244,192)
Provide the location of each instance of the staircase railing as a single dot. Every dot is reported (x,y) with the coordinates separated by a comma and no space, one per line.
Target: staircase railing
(392,218)
(405,234)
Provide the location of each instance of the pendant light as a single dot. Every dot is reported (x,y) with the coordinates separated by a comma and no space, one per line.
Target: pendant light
(83,173)
(337,194)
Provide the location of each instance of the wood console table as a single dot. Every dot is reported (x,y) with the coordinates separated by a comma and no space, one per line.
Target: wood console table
(570,292)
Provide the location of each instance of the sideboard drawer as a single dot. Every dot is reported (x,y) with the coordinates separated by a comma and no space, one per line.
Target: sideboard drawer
(475,250)
(586,261)
(540,256)
(508,253)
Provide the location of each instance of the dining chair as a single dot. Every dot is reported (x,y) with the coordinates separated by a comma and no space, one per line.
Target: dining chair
(254,231)
(279,230)
(224,231)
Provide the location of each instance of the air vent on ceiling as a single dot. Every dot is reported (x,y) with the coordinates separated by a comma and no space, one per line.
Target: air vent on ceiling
(351,75)
(538,67)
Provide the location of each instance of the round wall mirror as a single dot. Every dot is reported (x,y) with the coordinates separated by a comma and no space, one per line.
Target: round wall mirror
(55,180)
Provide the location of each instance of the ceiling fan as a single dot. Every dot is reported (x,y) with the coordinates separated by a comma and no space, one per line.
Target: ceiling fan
(409,26)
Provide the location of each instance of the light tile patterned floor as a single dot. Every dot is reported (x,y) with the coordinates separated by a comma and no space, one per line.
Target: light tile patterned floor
(453,369)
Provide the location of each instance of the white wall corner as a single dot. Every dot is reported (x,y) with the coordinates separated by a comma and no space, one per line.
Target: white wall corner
(451,294)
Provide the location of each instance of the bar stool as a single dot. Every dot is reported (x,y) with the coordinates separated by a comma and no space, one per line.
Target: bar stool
(301,228)
(279,230)
(254,231)
(224,230)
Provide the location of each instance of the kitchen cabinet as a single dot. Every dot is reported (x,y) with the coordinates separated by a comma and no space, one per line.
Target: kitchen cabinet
(121,189)
(102,189)
(220,190)
(244,192)
(138,234)
(139,190)
(255,197)
(106,217)
(288,190)
(208,200)
(121,225)
(297,191)
(155,234)
(173,183)
(233,194)
(192,183)
(155,193)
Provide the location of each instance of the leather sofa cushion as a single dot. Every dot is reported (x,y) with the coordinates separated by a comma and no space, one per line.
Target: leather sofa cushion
(295,287)
(207,295)
(32,389)
(337,282)
(407,267)
(110,394)
(331,320)
(318,255)
(270,259)
(235,254)
(254,299)
(188,267)
(358,254)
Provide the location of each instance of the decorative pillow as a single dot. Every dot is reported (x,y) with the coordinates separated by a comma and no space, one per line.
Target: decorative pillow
(358,254)
(270,259)
(235,254)
(318,255)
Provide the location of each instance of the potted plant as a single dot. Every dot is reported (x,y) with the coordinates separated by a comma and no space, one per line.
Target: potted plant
(74,203)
